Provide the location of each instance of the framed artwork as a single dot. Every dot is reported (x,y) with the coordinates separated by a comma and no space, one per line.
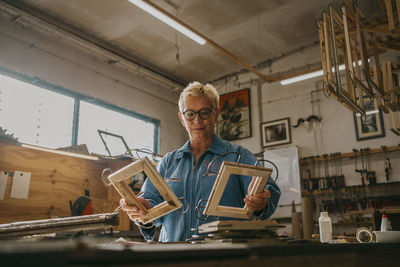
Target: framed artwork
(234,119)
(370,126)
(276,132)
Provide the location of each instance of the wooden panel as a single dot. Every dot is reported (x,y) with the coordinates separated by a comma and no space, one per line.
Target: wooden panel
(55,180)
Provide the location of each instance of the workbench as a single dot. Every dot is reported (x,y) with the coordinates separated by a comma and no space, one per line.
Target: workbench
(96,253)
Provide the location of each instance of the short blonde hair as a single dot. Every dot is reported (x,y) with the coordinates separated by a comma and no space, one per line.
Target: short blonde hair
(198,89)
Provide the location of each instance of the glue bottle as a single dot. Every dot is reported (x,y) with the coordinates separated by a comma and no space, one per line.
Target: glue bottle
(325,227)
(385,224)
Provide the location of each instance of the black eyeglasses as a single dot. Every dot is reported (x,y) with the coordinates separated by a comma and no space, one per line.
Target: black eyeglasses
(204,114)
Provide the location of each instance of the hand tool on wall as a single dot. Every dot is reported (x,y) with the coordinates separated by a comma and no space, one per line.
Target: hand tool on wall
(315,179)
(334,171)
(361,171)
(327,179)
(387,164)
(305,176)
(309,173)
(342,181)
(339,172)
(371,174)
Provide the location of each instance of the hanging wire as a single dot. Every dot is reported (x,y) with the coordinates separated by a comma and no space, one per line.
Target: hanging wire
(209,173)
(143,150)
(273,164)
(187,206)
(103,178)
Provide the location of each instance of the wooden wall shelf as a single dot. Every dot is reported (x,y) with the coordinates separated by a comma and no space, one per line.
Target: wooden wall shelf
(350,155)
(349,189)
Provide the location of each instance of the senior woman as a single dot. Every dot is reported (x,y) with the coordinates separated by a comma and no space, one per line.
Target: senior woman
(198,112)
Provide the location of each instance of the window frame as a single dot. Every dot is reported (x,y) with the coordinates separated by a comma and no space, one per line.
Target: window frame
(78,97)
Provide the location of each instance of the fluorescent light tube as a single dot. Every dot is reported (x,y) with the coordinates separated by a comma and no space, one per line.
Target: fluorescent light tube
(368,112)
(311,75)
(302,77)
(307,76)
(167,20)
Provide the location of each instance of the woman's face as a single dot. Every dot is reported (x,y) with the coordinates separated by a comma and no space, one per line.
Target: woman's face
(199,129)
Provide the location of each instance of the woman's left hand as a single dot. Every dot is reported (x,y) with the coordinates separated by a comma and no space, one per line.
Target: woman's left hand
(258,201)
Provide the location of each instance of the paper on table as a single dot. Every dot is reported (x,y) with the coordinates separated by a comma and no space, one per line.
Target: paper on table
(20,185)
(3,184)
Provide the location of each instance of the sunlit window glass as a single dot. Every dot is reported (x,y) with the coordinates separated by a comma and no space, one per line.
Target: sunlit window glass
(35,115)
(137,133)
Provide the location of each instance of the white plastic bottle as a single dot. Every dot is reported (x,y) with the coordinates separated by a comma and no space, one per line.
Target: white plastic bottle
(385,224)
(325,227)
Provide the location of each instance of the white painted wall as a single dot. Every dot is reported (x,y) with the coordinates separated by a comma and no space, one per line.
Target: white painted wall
(35,54)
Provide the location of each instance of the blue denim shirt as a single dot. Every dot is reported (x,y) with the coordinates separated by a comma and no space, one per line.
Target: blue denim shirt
(188,181)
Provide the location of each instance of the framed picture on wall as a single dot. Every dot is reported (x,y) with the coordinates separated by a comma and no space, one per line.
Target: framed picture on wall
(276,132)
(370,126)
(234,119)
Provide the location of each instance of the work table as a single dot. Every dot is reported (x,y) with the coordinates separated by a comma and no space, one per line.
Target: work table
(92,252)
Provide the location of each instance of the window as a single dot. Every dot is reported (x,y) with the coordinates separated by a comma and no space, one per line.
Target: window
(53,117)
(34,115)
(137,133)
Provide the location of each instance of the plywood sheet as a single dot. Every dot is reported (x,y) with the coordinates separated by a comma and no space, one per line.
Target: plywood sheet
(55,180)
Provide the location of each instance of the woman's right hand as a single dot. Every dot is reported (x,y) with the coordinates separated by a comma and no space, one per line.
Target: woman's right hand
(133,211)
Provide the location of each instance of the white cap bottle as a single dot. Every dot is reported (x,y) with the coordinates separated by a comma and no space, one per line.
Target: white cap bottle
(325,228)
(385,223)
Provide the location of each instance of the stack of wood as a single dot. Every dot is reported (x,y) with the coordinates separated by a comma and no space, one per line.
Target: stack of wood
(237,232)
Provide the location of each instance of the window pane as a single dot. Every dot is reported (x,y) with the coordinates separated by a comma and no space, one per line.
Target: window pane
(35,115)
(137,133)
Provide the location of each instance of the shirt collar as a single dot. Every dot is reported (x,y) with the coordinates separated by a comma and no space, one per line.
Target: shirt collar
(217,147)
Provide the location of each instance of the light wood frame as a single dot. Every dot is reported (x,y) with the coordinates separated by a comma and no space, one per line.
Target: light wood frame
(259,181)
(120,179)
(330,45)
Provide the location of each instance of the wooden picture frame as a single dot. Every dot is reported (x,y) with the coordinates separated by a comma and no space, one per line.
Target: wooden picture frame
(121,178)
(276,132)
(234,118)
(372,127)
(259,181)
